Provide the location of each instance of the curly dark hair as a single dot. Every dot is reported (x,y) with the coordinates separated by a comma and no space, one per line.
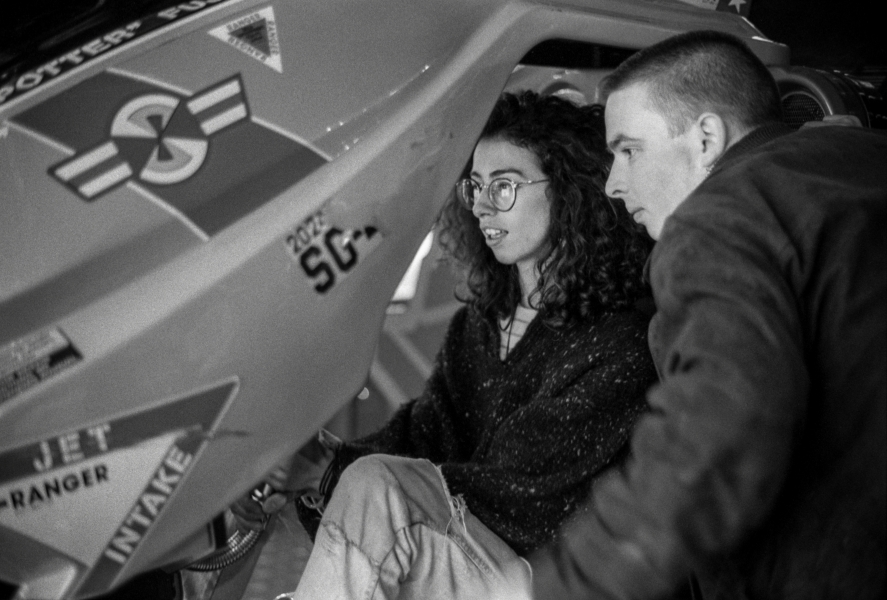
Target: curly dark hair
(596,252)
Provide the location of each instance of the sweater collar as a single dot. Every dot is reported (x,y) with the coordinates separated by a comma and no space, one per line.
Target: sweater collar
(750,141)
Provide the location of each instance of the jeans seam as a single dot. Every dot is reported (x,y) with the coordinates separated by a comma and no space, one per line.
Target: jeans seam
(376,567)
(478,562)
(458,506)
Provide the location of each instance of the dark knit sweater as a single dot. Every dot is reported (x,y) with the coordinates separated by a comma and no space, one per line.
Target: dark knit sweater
(521,440)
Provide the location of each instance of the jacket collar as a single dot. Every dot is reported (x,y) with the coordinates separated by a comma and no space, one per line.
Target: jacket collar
(750,141)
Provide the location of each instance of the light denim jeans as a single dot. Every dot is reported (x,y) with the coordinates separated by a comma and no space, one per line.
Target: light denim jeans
(392,531)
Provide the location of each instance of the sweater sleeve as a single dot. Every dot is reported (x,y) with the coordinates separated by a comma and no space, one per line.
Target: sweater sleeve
(421,428)
(710,458)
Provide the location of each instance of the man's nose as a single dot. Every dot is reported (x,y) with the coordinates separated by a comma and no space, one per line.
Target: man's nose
(615,187)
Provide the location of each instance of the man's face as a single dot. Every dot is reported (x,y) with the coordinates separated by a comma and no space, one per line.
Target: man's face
(652,171)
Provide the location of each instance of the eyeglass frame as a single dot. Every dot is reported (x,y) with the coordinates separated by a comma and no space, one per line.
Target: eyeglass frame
(515,186)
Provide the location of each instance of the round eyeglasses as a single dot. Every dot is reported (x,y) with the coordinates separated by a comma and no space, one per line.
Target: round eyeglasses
(502,192)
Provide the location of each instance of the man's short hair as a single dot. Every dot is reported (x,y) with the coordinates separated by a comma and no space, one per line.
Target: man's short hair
(702,71)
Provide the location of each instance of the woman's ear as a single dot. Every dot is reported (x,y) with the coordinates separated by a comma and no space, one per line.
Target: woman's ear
(713,139)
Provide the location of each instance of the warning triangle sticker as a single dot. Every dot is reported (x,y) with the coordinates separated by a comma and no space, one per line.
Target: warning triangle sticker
(254,34)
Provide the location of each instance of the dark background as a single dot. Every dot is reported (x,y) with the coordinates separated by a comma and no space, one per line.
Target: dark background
(845,35)
(841,34)
(848,35)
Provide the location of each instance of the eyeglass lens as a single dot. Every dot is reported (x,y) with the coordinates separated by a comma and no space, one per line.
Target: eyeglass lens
(501,193)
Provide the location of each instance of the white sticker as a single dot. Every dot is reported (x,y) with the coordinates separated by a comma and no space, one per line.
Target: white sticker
(27,361)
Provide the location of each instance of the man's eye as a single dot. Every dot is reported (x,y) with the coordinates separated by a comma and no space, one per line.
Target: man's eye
(628,152)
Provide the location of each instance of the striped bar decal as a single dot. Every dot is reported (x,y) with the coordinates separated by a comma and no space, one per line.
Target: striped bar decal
(219,107)
(95,171)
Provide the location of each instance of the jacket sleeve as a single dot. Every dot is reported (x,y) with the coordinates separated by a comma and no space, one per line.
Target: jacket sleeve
(709,460)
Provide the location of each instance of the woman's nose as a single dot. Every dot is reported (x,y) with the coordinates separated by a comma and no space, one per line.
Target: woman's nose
(482,206)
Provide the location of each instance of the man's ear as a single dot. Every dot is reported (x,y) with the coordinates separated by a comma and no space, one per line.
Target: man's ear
(713,139)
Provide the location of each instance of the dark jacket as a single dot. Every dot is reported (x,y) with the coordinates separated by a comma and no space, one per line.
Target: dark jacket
(762,464)
(522,439)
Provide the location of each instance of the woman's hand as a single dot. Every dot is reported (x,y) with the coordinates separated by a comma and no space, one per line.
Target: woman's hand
(298,475)
(249,513)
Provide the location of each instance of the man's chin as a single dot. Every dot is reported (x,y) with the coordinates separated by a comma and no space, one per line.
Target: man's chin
(653,227)
(642,217)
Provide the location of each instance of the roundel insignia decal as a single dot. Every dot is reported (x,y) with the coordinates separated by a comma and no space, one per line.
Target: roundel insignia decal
(202,154)
(165,145)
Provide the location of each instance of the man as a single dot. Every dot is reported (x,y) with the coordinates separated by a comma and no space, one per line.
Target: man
(760,471)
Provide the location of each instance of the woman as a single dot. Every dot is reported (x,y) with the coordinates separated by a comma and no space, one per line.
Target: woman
(540,378)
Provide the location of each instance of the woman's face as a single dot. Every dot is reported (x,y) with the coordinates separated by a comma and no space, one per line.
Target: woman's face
(517,236)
